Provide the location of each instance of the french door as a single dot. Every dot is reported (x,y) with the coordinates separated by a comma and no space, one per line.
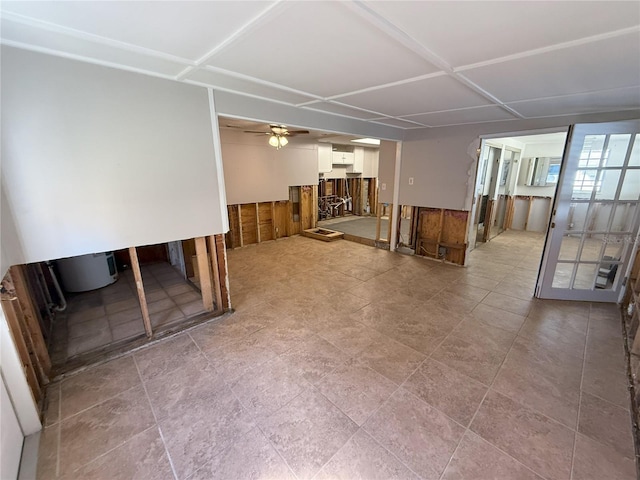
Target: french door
(594,225)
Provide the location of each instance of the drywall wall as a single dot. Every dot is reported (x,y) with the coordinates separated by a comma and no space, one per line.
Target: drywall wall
(256,172)
(386,171)
(10,245)
(442,161)
(98,159)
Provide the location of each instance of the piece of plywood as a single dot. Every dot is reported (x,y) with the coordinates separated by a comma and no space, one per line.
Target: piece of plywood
(323,234)
(204,274)
(213,255)
(142,298)
(281,219)
(233,236)
(248,221)
(307,207)
(265,221)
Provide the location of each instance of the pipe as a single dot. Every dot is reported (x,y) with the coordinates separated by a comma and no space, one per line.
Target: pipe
(63,303)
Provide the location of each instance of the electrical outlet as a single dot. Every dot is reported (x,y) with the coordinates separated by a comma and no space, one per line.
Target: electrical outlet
(410,180)
(383,186)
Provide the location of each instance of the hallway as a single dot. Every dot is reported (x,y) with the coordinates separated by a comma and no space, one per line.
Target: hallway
(345,361)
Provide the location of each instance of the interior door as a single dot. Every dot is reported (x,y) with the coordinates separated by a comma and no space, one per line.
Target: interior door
(594,226)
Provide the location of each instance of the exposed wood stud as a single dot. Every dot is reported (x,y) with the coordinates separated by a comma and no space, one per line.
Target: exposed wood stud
(258,223)
(274,232)
(391,207)
(378,222)
(213,252)
(314,200)
(137,275)
(529,205)
(204,273)
(31,321)
(240,225)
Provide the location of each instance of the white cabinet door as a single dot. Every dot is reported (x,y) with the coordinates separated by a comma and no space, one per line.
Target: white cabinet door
(324,158)
(358,161)
(342,158)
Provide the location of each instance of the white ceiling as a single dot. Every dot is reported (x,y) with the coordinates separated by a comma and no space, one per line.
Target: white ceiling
(405,64)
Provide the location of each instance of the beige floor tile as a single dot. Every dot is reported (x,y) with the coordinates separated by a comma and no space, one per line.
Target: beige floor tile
(234,359)
(131,329)
(52,404)
(314,358)
(284,335)
(350,336)
(391,359)
(143,456)
(607,383)
(507,303)
(356,390)
(526,384)
(97,384)
(606,423)
(250,457)
(125,316)
(595,461)
(468,291)
(531,438)
(48,453)
(451,392)
(192,383)
(496,317)
(478,362)
(268,387)
(166,356)
(307,432)
(166,317)
(422,437)
(362,458)
(93,432)
(454,303)
(477,459)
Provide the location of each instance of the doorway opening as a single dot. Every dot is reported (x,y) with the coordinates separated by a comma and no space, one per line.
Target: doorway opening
(516,184)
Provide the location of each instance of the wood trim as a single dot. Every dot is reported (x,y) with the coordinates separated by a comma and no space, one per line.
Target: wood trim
(204,273)
(314,215)
(222,270)
(392,206)
(213,251)
(378,221)
(142,298)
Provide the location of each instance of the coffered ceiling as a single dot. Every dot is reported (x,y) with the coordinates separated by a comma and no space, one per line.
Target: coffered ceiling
(405,64)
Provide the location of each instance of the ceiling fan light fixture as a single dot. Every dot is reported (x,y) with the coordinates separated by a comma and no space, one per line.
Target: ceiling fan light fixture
(283,141)
(273,141)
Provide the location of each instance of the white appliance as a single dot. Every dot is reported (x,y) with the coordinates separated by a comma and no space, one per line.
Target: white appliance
(88,272)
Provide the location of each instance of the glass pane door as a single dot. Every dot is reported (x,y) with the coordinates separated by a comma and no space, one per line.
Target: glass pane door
(595,223)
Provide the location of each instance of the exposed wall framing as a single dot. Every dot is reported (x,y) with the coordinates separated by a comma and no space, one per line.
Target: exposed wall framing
(24,326)
(442,234)
(252,223)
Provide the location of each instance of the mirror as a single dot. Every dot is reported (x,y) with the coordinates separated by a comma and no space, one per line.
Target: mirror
(543,171)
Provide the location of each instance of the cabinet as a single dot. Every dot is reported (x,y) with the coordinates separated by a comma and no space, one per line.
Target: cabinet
(324,158)
(343,158)
(358,161)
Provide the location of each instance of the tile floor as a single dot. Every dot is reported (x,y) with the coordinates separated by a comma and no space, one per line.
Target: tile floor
(344,361)
(111,314)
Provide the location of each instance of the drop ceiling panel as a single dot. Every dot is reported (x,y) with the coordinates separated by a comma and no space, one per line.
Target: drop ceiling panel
(242,86)
(607,64)
(606,101)
(63,43)
(469,32)
(342,110)
(186,29)
(429,95)
(396,122)
(321,48)
(457,117)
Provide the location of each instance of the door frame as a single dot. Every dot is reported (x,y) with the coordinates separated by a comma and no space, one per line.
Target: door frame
(558,219)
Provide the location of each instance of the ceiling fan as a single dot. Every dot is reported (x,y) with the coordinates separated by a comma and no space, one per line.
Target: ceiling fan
(278,134)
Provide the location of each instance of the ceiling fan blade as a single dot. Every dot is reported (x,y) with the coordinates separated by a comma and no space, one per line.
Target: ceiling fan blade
(298,132)
(255,131)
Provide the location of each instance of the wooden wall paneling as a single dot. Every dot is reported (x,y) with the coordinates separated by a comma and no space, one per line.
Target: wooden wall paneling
(12,312)
(142,298)
(248,220)
(257,224)
(31,319)
(222,270)
(265,219)
(378,222)
(233,236)
(306,207)
(215,269)
(454,234)
(204,273)
(281,219)
(429,232)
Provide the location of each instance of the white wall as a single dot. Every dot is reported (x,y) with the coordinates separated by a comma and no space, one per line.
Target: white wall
(386,171)
(97,159)
(442,160)
(11,436)
(255,172)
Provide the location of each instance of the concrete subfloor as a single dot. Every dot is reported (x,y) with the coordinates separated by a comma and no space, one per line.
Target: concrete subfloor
(364,227)
(346,361)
